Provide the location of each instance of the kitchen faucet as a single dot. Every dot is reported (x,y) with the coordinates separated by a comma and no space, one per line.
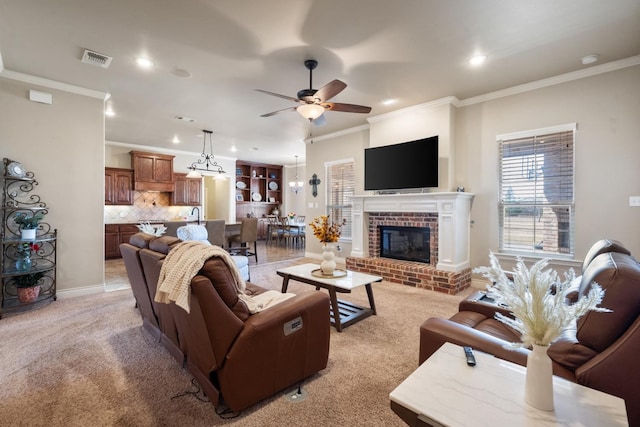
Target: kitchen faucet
(196,208)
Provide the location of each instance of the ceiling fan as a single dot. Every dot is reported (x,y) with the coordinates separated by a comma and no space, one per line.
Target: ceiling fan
(313,103)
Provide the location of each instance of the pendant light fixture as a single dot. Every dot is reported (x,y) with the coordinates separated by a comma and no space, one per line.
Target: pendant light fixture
(206,161)
(296,186)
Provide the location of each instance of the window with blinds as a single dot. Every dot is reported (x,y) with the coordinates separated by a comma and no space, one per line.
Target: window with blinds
(536,206)
(340,189)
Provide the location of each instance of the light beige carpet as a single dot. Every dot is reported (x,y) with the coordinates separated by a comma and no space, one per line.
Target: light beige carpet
(87,361)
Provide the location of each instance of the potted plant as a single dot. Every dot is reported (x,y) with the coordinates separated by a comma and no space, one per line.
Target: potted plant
(28,286)
(28,224)
(537,299)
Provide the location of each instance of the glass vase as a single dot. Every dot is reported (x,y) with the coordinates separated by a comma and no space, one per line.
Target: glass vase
(23,263)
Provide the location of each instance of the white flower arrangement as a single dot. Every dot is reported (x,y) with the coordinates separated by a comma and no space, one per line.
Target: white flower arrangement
(147,228)
(537,299)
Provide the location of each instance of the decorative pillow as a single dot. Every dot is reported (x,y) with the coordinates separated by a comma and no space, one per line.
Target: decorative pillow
(193,232)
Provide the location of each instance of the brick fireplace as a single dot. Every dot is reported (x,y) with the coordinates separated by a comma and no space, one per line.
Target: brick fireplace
(447,216)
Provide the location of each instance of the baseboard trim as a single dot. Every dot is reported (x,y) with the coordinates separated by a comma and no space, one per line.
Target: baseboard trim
(78,292)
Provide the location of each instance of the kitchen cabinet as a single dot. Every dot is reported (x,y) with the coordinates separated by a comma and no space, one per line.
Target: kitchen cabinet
(111,241)
(152,171)
(118,186)
(115,234)
(187,191)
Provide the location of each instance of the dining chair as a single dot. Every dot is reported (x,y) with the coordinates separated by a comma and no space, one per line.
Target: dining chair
(287,235)
(248,234)
(273,229)
(216,230)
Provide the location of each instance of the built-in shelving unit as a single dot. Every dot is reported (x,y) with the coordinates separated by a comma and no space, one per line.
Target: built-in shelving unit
(258,188)
(40,268)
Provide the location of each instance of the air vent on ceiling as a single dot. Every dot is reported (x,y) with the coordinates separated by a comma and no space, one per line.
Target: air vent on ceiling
(95,58)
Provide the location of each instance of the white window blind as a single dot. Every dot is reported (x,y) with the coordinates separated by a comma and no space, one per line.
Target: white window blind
(536,205)
(340,190)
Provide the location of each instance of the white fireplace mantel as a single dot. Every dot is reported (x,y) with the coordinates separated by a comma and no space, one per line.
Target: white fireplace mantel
(454,216)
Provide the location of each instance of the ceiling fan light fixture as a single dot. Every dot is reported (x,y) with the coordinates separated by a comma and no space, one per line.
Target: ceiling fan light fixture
(310,111)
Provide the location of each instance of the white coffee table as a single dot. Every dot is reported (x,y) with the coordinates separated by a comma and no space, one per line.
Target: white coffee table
(343,313)
(444,391)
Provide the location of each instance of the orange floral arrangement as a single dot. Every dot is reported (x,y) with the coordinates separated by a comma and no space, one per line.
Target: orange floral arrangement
(324,231)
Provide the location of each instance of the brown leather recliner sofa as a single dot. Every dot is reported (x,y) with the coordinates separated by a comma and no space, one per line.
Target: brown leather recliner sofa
(237,357)
(601,353)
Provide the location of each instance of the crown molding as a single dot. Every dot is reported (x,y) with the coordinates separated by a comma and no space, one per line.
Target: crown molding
(161,150)
(52,84)
(551,81)
(332,135)
(447,100)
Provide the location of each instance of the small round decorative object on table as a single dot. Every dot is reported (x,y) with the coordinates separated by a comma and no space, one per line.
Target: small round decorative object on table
(338,272)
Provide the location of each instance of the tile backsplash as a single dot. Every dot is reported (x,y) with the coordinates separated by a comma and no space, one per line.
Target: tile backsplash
(147,205)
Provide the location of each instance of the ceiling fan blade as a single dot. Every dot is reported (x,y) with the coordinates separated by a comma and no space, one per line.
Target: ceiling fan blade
(330,90)
(273,113)
(347,108)
(320,121)
(279,96)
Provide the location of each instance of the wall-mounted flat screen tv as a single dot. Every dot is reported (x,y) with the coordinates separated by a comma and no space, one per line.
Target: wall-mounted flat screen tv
(408,165)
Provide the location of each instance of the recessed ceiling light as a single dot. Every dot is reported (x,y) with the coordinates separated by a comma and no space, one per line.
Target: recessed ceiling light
(389,101)
(145,63)
(233,149)
(254,148)
(175,139)
(477,59)
(590,59)
(185,119)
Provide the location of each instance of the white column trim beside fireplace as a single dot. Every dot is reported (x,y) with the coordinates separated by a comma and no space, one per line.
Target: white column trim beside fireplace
(454,222)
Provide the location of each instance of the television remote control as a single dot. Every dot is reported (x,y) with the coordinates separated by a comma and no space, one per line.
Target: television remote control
(471,360)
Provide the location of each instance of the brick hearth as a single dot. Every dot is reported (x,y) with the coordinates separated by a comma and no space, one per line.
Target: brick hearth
(415,274)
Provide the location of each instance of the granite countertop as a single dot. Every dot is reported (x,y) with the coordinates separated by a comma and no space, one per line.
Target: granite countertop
(152,221)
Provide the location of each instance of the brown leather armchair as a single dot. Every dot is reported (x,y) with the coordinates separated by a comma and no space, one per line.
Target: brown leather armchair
(237,357)
(601,352)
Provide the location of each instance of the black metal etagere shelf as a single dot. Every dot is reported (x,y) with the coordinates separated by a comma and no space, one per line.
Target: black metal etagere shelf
(24,260)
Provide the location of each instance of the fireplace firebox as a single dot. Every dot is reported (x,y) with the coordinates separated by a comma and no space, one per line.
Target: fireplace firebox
(405,243)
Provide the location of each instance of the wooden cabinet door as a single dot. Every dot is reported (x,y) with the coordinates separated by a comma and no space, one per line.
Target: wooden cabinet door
(180,196)
(111,241)
(144,166)
(194,191)
(117,186)
(109,187)
(163,169)
(122,188)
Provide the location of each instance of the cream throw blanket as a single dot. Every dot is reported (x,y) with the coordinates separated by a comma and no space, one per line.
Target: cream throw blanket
(185,260)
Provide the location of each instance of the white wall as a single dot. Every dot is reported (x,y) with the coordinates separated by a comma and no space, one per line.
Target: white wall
(63,145)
